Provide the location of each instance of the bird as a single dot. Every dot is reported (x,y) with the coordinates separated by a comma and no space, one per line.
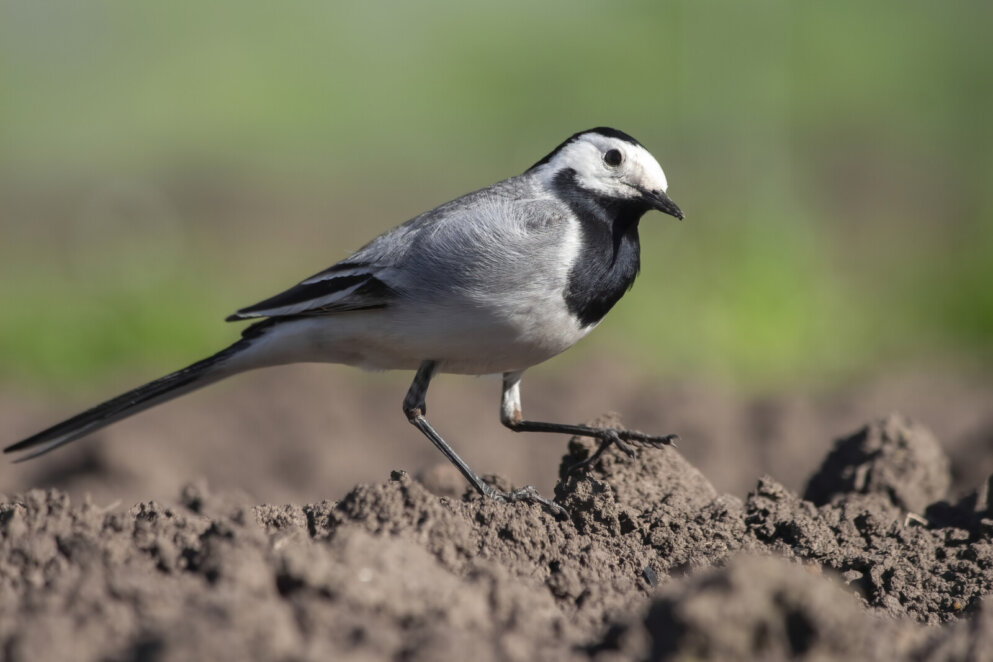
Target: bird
(493,282)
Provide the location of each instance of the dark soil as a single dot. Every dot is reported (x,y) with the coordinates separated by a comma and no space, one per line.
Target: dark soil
(654,563)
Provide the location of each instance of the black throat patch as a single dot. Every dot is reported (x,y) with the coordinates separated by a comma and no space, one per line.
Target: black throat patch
(609,254)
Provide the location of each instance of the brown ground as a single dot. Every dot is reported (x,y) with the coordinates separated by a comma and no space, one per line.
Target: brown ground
(657,561)
(307,433)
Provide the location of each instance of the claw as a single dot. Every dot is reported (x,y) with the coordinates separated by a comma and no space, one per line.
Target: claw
(607,438)
(623,447)
(529,493)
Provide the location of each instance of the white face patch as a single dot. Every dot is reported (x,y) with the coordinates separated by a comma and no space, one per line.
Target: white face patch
(638,169)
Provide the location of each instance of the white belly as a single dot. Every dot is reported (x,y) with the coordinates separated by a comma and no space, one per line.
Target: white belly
(461,339)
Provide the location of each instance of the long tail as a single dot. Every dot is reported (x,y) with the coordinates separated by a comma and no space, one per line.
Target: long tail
(191,378)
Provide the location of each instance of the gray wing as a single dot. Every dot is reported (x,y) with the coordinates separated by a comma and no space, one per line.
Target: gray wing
(348,285)
(438,247)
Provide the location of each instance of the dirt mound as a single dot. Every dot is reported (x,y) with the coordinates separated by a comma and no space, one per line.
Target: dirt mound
(653,564)
(893,458)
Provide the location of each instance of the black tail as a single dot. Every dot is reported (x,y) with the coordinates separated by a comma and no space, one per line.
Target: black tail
(166,388)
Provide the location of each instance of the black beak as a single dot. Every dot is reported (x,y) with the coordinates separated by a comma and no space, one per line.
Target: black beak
(659,200)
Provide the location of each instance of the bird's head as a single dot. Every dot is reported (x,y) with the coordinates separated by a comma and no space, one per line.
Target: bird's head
(612,165)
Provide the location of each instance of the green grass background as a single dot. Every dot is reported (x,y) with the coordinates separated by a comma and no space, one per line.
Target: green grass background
(162,164)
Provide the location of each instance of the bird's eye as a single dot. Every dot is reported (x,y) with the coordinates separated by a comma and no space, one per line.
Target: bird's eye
(613,157)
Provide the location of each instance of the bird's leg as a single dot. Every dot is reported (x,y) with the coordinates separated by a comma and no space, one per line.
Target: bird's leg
(512,417)
(415,407)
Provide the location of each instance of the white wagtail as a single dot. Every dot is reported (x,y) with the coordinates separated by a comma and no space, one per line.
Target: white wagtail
(495,281)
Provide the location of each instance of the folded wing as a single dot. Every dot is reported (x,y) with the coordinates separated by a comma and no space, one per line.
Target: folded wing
(451,244)
(343,287)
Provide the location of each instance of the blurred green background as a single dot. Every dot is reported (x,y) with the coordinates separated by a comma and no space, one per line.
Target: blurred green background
(162,164)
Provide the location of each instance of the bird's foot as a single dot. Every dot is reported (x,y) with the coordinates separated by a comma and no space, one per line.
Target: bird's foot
(527,493)
(623,439)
